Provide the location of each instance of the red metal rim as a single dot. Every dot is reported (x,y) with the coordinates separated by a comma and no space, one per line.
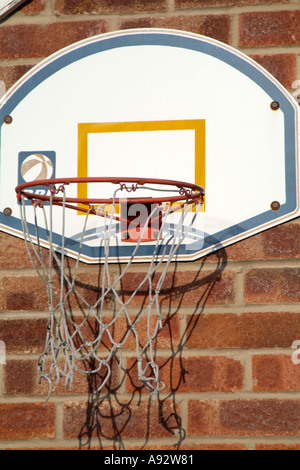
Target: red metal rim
(189,192)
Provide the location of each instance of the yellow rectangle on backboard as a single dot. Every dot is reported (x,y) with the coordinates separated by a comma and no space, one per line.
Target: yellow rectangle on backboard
(196,125)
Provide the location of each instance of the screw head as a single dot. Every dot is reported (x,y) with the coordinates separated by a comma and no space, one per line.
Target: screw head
(7,211)
(275,105)
(8,119)
(275,206)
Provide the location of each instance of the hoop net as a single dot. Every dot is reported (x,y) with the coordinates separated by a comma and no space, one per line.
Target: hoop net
(74,313)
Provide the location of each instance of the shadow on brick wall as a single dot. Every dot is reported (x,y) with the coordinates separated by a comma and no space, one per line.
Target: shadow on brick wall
(124,408)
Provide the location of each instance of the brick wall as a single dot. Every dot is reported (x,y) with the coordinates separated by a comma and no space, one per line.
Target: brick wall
(225,350)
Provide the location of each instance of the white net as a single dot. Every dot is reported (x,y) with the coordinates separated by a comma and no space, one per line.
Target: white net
(81,331)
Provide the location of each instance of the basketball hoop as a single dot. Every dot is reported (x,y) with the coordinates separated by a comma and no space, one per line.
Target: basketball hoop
(66,347)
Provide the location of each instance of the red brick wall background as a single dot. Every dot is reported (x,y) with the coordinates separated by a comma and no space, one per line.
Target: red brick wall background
(225,351)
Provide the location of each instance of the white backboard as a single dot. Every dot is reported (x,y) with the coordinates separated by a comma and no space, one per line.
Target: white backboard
(157,104)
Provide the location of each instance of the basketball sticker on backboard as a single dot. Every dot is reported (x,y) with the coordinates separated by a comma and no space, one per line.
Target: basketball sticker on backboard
(148,104)
(35,166)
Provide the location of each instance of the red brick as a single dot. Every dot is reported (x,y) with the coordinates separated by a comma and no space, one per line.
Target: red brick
(275,372)
(276,28)
(248,330)
(272,285)
(116,419)
(13,253)
(268,417)
(23,336)
(193,374)
(281,242)
(250,248)
(222,3)
(262,285)
(167,337)
(88,286)
(203,417)
(30,293)
(282,67)
(27,421)
(220,447)
(34,40)
(34,7)
(9,74)
(182,288)
(22,293)
(194,447)
(215,26)
(19,377)
(83,446)
(277,447)
(96,7)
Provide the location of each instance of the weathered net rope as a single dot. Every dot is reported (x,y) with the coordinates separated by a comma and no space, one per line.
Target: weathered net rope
(67,350)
